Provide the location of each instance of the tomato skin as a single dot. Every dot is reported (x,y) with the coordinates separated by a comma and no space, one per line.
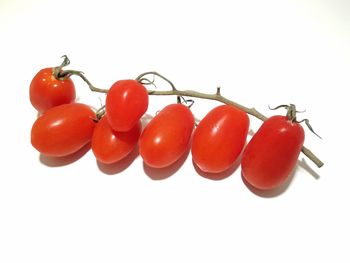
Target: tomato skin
(166,138)
(126,102)
(272,153)
(110,146)
(46,91)
(219,138)
(63,130)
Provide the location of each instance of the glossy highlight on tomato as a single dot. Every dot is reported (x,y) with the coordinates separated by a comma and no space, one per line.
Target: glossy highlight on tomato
(63,130)
(219,138)
(46,91)
(110,146)
(166,138)
(126,102)
(272,153)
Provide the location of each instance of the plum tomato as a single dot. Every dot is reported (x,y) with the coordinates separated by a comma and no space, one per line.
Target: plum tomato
(63,129)
(46,91)
(272,153)
(167,136)
(126,102)
(110,146)
(219,138)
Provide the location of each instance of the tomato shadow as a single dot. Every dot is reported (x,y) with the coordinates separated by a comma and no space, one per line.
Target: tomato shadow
(251,132)
(118,167)
(303,164)
(163,173)
(219,176)
(274,192)
(64,160)
(146,118)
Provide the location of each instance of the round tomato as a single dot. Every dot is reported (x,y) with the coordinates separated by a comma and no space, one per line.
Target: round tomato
(126,102)
(272,153)
(219,138)
(63,130)
(110,146)
(46,91)
(167,136)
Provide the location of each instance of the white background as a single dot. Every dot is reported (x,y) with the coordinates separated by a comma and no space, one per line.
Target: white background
(260,52)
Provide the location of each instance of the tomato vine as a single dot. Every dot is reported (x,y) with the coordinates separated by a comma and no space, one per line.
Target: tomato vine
(64,74)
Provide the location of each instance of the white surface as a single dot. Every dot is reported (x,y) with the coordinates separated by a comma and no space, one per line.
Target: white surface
(260,52)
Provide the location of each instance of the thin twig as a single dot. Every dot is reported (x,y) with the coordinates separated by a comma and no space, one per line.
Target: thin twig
(68,73)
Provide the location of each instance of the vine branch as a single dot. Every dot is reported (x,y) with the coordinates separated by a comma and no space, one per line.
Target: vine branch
(67,73)
(190,93)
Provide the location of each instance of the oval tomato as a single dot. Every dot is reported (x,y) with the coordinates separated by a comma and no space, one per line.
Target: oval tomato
(272,153)
(110,146)
(126,102)
(63,130)
(167,136)
(46,91)
(219,138)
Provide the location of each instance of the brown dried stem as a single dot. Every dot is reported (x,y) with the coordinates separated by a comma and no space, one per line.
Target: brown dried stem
(195,94)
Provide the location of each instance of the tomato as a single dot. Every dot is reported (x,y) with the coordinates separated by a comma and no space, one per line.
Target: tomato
(126,102)
(219,138)
(167,136)
(272,153)
(46,91)
(110,146)
(63,130)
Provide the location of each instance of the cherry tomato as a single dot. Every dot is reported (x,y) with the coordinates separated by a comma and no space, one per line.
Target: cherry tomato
(126,102)
(219,138)
(272,153)
(46,91)
(167,136)
(63,130)
(110,146)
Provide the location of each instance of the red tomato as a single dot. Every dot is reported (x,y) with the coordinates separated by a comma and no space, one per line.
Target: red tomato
(126,102)
(167,136)
(63,130)
(110,146)
(272,153)
(46,91)
(219,138)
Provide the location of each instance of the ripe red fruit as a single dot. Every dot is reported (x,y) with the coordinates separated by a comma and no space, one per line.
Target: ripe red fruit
(63,130)
(167,136)
(110,146)
(219,138)
(46,91)
(126,102)
(272,153)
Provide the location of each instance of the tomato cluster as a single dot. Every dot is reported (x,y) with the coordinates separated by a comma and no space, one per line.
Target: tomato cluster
(218,141)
